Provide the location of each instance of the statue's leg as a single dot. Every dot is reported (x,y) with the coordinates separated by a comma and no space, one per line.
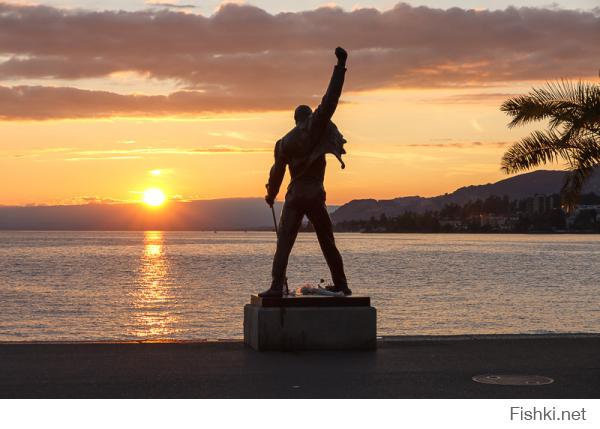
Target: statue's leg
(319,217)
(289,224)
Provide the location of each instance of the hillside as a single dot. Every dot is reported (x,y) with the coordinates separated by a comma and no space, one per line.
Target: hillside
(516,187)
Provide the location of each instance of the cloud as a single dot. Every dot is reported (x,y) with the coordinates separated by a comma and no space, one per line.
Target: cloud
(97,200)
(42,103)
(245,59)
(230,134)
(234,149)
(103,158)
(128,154)
(476,125)
(170,5)
(33,153)
(496,98)
(404,157)
(458,145)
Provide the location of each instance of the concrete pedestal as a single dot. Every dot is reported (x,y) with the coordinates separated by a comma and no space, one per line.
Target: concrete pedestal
(310,323)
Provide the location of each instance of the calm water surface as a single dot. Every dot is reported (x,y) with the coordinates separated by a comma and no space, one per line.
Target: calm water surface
(193,285)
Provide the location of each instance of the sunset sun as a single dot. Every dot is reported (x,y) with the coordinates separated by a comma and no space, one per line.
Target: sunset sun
(154,197)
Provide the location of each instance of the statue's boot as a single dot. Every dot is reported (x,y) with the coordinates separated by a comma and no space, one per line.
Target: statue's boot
(275,291)
(340,288)
(271,293)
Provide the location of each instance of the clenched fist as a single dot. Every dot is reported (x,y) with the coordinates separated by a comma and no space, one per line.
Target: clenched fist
(341,55)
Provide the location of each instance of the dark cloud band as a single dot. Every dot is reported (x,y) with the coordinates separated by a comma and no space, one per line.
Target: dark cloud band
(243,58)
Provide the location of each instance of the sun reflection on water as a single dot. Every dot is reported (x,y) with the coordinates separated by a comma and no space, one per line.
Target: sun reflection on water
(153,300)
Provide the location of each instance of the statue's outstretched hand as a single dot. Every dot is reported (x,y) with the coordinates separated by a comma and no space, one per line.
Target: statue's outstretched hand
(341,55)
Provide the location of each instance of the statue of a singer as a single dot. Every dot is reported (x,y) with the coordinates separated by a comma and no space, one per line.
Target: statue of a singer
(303,149)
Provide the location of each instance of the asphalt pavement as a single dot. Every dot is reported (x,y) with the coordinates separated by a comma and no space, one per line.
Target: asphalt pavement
(401,367)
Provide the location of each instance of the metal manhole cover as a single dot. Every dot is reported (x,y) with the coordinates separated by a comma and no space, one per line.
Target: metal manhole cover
(513,379)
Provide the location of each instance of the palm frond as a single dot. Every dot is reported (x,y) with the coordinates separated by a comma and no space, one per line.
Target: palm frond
(574,184)
(526,108)
(583,162)
(563,103)
(572,110)
(537,148)
(585,153)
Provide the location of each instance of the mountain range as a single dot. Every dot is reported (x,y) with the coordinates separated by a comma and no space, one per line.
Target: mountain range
(252,213)
(544,182)
(219,214)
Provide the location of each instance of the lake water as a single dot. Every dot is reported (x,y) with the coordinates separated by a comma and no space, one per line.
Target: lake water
(193,285)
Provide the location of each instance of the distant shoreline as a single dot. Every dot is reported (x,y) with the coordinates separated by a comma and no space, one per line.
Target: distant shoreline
(217,231)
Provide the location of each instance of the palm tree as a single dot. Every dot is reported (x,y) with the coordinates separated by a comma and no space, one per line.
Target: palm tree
(573,135)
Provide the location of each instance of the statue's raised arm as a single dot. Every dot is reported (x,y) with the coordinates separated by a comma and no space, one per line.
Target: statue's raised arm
(322,115)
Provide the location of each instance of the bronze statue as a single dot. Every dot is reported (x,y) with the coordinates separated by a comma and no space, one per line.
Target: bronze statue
(303,149)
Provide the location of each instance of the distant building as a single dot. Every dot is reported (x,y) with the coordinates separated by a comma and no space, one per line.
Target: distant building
(499,222)
(453,223)
(540,203)
(544,203)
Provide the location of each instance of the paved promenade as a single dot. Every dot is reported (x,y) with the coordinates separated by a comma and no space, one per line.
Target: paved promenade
(402,367)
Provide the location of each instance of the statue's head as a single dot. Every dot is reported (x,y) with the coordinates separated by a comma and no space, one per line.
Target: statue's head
(302,113)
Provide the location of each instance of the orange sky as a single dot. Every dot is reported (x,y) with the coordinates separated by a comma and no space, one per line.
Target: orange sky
(410,130)
(399,143)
